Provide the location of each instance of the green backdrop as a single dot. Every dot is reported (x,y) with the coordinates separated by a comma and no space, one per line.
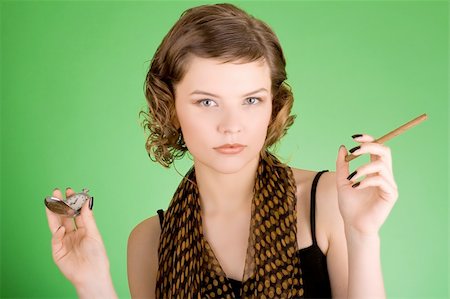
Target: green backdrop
(72,78)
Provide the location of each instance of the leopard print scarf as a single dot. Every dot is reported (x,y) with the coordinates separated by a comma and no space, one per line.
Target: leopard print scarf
(187,265)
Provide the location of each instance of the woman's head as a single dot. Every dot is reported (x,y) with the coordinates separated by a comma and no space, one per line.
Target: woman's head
(224,34)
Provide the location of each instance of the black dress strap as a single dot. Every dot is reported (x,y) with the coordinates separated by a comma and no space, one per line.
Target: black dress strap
(312,209)
(161,216)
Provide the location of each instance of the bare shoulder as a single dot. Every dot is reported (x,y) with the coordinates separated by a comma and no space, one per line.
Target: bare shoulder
(327,208)
(326,192)
(142,258)
(330,233)
(327,203)
(304,177)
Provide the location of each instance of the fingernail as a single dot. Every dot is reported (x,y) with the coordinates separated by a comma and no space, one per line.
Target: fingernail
(55,189)
(91,202)
(355,149)
(68,188)
(351,175)
(356,135)
(356,185)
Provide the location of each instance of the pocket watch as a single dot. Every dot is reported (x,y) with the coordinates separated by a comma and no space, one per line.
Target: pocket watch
(69,207)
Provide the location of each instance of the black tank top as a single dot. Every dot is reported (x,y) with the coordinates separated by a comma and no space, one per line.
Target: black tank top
(316,282)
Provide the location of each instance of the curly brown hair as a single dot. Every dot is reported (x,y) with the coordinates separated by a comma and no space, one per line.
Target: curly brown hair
(219,31)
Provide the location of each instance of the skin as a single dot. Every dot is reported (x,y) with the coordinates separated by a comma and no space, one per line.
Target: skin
(225,181)
(79,252)
(347,220)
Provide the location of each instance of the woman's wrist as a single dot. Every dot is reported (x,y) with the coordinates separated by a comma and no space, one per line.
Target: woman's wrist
(360,236)
(365,278)
(97,288)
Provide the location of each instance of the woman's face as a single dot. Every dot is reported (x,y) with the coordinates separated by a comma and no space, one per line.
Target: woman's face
(224,103)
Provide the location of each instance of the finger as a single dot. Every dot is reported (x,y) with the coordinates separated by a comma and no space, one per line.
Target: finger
(387,192)
(342,167)
(79,219)
(375,149)
(70,192)
(371,169)
(66,221)
(362,138)
(54,221)
(87,220)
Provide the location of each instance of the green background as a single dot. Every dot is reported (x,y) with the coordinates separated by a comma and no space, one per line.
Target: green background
(72,78)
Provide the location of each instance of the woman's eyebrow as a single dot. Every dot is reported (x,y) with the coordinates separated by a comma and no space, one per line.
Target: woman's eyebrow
(216,96)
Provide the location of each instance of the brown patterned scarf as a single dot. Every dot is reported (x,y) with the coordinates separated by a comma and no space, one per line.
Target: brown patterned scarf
(187,265)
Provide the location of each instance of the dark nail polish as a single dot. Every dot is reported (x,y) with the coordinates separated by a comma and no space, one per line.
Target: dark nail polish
(55,189)
(356,135)
(68,188)
(91,202)
(355,149)
(351,175)
(356,185)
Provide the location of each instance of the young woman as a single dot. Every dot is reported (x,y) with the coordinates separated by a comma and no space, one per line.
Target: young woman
(241,223)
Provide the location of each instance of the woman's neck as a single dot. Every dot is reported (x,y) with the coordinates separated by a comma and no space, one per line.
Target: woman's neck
(225,194)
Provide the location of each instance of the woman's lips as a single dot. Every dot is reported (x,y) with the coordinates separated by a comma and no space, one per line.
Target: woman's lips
(230,149)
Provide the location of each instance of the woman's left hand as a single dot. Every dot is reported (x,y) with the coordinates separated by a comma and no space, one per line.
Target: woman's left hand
(365,206)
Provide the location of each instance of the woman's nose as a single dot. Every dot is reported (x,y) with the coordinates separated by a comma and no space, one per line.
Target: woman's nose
(230,123)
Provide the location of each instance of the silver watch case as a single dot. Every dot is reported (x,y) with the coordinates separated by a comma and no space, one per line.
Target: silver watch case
(69,207)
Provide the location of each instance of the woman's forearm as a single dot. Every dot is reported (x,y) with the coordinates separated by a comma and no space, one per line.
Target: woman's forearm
(365,279)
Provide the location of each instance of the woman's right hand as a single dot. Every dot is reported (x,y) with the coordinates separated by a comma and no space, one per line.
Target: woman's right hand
(79,252)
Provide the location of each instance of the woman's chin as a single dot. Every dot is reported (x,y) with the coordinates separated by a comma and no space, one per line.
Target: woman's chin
(227,163)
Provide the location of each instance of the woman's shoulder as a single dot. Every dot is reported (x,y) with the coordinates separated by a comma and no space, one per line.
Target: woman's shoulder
(142,257)
(326,191)
(145,234)
(304,179)
(149,225)
(328,217)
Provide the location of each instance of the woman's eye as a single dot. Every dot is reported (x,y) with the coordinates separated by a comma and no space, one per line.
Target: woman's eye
(206,102)
(211,103)
(252,101)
